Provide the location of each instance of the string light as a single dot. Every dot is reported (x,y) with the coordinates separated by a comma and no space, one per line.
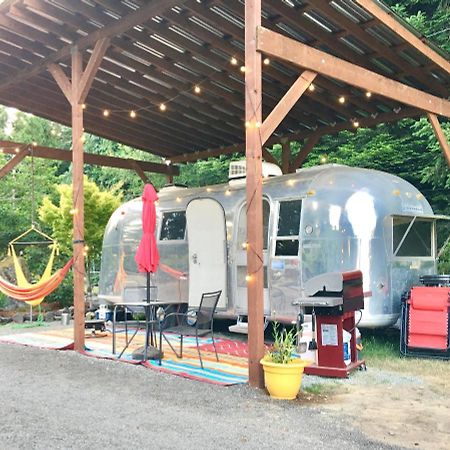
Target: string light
(341,100)
(242,69)
(133,114)
(355,123)
(266,61)
(197,89)
(368,94)
(248,278)
(83,106)
(105,112)
(162,107)
(234,61)
(17,150)
(245,245)
(311,87)
(34,144)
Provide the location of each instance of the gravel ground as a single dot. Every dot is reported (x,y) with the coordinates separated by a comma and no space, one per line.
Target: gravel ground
(63,400)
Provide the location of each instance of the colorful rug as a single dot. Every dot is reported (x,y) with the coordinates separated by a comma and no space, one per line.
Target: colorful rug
(232,367)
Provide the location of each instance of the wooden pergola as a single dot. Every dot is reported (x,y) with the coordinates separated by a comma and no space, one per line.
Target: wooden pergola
(190,79)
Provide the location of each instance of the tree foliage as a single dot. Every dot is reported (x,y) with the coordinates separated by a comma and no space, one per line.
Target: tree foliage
(98,207)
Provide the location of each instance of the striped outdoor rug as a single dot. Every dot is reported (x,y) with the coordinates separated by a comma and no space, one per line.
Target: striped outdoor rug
(232,367)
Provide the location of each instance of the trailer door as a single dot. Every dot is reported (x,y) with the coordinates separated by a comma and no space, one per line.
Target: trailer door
(206,230)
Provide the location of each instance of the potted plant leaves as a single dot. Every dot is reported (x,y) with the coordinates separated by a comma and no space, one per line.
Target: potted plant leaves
(283,370)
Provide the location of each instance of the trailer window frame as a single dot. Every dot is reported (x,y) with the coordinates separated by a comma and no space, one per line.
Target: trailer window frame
(283,238)
(400,244)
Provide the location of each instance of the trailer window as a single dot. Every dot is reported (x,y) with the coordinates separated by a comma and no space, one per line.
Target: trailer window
(288,228)
(242,228)
(412,240)
(173,227)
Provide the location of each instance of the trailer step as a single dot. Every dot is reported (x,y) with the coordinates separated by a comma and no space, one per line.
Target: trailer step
(239,327)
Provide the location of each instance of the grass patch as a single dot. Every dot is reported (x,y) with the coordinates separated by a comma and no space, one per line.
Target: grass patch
(318,388)
(381,349)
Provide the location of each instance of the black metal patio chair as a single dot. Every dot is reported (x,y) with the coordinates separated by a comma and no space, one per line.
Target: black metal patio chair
(196,323)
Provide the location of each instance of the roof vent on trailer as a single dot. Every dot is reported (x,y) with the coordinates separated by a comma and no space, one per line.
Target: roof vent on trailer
(172,187)
(237,170)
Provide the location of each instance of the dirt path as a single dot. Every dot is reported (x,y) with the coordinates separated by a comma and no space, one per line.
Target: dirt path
(391,407)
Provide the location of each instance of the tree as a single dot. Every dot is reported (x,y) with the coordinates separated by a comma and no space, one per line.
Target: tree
(58,215)
(98,207)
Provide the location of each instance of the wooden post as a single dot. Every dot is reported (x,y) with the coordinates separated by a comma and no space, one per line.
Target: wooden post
(78,201)
(253,117)
(285,157)
(440,136)
(76,91)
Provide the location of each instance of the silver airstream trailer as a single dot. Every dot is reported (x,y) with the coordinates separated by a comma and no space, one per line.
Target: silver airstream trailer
(322,219)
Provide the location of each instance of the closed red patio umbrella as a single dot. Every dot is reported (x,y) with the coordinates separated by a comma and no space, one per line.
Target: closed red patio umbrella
(147,255)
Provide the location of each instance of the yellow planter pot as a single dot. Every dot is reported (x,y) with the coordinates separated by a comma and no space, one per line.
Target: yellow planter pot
(283,381)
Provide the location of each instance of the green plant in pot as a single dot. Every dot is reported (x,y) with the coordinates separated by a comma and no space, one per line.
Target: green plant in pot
(283,371)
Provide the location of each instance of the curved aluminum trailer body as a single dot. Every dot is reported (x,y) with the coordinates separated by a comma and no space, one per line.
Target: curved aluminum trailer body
(323,219)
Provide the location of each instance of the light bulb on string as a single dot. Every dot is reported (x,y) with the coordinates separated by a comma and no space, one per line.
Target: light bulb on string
(133,114)
(311,87)
(234,61)
(197,89)
(368,94)
(266,61)
(341,99)
(106,113)
(162,107)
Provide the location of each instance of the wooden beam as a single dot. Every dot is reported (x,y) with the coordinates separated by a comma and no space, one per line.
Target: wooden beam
(62,80)
(91,68)
(288,101)
(304,152)
(135,166)
(440,136)
(276,45)
(13,162)
(388,18)
(57,154)
(268,157)
(114,28)
(255,265)
(285,156)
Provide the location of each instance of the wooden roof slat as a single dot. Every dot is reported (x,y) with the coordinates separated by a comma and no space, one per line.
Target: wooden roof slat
(114,28)
(381,50)
(389,21)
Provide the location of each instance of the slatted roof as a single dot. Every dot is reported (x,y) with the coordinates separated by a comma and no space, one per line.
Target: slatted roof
(200,43)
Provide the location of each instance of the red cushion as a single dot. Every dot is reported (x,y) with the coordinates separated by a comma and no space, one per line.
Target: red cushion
(430,298)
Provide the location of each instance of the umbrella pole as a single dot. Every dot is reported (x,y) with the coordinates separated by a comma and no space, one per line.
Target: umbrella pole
(147,317)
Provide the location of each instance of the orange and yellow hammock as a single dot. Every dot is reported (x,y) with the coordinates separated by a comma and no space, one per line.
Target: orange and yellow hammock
(34,294)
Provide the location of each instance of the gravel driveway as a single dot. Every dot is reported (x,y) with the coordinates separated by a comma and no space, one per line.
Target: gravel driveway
(63,400)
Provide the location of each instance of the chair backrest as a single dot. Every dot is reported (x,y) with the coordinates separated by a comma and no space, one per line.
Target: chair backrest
(207,307)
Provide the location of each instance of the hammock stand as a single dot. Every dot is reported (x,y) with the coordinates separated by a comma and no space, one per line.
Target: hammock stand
(20,276)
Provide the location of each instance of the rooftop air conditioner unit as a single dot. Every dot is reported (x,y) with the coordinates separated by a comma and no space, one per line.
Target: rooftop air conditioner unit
(237,170)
